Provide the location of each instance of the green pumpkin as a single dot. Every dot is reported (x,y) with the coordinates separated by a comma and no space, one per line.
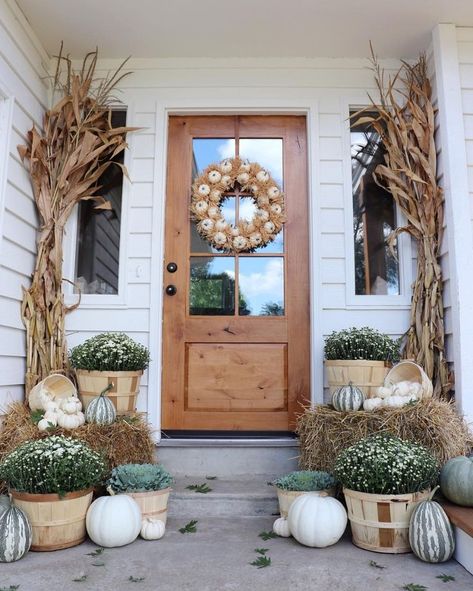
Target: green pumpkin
(348,398)
(456,481)
(430,532)
(101,410)
(15,534)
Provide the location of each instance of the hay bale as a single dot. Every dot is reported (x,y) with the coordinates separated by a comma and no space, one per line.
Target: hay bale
(324,432)
(127,440)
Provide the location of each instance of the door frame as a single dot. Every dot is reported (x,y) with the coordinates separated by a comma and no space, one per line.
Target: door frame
(249,106)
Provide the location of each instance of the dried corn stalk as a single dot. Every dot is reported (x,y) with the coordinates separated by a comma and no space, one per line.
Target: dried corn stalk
(65,161)
(404,119)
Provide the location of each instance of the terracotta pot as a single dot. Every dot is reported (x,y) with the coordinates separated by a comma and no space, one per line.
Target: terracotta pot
(57,522)
(381,522)
(124,391)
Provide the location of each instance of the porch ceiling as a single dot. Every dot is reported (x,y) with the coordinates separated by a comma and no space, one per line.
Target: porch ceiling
(247,28)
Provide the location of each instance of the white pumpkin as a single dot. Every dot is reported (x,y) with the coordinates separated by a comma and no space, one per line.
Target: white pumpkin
(402,389)
(385,391)
(317,521)
(372,403)
(226,166)
(262,176)
(45,424)
(71,405)
(113,521)
(243,178)
(395,401)
(203,190)
(281,528)
(51,406)
(71,421)
(214,176)
(152,529)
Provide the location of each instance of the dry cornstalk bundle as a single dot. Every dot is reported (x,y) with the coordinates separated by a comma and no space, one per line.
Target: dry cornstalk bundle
(324,432)
(65,159)
(404,119)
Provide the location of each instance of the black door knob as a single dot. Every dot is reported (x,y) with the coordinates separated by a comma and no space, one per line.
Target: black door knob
(171,267)
(171,290)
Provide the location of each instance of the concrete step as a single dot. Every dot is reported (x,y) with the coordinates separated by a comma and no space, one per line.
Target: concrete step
(228,459)
(244,496)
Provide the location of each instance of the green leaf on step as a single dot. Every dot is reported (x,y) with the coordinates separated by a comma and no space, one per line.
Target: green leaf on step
(210,478)
(96,552)
(267,535)
(261,551)
(98,563)
(80,579)
(414,587)
(189,528)
(445,578)
(374,564)
(261,562)
(136,579)
(200,488)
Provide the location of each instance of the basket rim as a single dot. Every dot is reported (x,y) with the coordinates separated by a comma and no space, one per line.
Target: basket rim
(118,374)
(49,497)
(374,497)
(148,493)
(354,362)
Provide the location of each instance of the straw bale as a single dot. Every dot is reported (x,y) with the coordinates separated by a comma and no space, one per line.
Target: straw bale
(324,432)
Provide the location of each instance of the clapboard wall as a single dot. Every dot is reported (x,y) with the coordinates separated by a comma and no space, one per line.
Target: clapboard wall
(23,98)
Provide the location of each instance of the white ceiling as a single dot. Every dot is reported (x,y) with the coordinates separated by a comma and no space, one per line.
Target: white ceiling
(241,28)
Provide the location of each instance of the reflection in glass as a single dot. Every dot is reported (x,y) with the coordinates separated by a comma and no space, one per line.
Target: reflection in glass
(261,283)
(199,244)
(212,286)
(374,217)
(205,151)
(268,152)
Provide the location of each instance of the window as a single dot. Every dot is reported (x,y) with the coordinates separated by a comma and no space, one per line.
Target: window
(374,217)
(98,231)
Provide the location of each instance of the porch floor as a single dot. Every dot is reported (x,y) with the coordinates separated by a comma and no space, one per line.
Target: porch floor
(217,557)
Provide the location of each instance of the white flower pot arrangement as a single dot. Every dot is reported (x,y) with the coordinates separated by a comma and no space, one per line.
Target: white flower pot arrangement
(51,481)
(110,362)
(361,356)
(383,479)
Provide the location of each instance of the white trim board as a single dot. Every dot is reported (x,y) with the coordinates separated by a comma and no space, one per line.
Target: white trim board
(227,107)
(455,181)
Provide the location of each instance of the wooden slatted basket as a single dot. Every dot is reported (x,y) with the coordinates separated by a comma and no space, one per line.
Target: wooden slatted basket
(57,522)
(287,497)
(366,375)
(380,523)
(409,371)
(124,391)
(153,504)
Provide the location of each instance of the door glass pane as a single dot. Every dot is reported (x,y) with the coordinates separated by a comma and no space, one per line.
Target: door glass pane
(212,286)
(268,152)
(206,151)
(199,244)
(261,283)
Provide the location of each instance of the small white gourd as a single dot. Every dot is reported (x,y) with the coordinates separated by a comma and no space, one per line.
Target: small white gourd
(372,403)
(50,405)
(281,528)
(402,389)
(44,424)
(395,401)
(69,421)
(152,529)
(71,405)
(385,391)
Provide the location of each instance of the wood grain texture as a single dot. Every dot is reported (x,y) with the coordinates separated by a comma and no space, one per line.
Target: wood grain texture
(222,390)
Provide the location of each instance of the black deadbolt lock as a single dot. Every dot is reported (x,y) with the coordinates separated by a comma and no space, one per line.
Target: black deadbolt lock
(171,267)
(171,290)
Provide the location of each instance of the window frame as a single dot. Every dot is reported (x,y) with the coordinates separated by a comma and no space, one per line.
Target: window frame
(97,300)
(405,249)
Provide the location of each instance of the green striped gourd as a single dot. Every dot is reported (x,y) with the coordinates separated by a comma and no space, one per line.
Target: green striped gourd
(348,398)
(456,481)
(101,410)
(15,534)
(430,533)
(4,503)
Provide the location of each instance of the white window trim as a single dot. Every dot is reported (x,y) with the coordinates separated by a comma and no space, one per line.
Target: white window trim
(405,251)
(89,300)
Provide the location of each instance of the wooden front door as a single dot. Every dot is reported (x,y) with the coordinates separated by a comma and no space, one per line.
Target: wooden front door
(236,351)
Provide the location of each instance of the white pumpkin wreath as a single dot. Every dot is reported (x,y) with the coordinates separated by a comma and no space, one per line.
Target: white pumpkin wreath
(208,191)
